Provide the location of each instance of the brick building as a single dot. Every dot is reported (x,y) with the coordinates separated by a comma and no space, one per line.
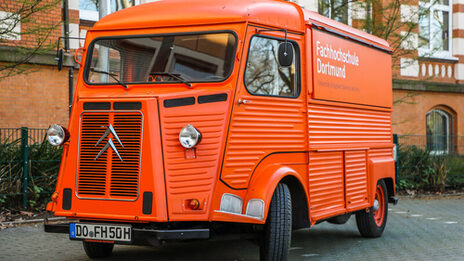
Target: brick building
(428,80)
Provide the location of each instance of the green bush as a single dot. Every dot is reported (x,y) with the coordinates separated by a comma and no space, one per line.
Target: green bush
(456,172)
(420,169)
(44,162)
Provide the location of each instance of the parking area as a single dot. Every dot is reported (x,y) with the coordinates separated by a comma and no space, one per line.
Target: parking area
(417,229)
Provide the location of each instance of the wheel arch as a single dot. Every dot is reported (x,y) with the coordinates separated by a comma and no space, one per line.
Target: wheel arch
(300,213)
(390,186)
(264,183)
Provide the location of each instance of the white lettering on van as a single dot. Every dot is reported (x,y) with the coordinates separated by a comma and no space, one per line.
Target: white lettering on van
(327,53)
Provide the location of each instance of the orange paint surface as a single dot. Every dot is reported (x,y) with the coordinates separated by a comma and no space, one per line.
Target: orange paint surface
(333,138)
(350,72)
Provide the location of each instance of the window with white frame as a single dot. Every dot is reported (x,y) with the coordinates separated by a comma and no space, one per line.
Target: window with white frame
(439,128)
(435,18)
(337,10)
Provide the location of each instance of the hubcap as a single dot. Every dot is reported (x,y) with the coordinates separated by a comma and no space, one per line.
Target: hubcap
(376,205)
(379,206)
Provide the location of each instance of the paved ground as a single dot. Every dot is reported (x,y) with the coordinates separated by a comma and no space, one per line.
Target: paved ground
(417,230)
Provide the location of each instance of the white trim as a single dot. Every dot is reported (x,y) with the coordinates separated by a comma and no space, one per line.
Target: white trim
(459,71)
(88,15)
(458,44)
(73,4)
(458,20)
(409,67)
(82,34)
(410,42)
(409,13)
(7,23)
(73,32)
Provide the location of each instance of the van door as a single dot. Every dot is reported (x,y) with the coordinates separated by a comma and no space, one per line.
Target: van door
(269,107)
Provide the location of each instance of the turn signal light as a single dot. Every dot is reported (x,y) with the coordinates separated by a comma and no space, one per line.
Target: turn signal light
(194,204)
(54,196)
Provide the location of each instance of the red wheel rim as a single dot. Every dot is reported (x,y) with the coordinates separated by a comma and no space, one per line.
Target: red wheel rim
(379,215)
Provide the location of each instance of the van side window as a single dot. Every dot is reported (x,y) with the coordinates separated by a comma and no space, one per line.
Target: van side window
(263,75)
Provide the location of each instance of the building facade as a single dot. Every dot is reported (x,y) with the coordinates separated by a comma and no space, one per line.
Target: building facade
(428,72)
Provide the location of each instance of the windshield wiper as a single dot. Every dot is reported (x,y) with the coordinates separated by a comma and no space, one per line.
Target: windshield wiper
(112,75)
(173,75)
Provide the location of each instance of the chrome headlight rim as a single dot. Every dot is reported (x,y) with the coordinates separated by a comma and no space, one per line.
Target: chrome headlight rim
(189,136)
(57,135)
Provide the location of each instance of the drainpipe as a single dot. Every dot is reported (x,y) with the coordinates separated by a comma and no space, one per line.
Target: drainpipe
(67,49)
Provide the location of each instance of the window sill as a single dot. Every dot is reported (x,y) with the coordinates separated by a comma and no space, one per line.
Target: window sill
(437,57)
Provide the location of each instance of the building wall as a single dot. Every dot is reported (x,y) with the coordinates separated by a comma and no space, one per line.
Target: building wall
(36,99)
(412,106)
(39,96)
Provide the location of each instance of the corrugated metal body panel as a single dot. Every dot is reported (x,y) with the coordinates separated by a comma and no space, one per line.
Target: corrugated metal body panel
(259,127)
(192,174)
(326,183)
(336,125)
(381,153)
(356,179)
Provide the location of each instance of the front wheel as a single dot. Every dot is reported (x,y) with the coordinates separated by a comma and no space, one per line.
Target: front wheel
(98,250)
(278,229)
(372,223)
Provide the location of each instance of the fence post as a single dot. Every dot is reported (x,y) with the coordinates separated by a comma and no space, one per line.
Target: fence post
(397,166)
(25,162)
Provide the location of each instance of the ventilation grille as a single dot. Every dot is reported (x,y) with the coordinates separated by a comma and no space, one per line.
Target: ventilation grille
(106,176)
(125,174)
(92,173)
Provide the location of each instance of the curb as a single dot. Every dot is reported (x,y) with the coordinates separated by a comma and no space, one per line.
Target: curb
(431,196)
(29,221)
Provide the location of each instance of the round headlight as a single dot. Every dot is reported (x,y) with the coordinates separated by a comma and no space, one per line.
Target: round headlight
(56,135)
(189,136)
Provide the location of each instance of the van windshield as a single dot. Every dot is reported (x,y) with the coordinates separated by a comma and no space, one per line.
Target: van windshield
(205,57)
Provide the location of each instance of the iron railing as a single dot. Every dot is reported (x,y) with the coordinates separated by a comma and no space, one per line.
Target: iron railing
(436,144)
(28,166)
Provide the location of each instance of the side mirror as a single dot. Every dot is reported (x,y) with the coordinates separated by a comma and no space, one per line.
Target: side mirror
(59,58)
(78,56)
(285,54)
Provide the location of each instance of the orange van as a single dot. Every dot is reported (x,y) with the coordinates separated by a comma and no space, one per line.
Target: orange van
(194,120)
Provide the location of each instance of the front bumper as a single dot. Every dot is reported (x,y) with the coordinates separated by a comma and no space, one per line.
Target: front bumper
(145,236)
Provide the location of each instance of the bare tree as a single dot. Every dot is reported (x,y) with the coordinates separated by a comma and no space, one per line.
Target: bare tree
(20,34)
(382,18)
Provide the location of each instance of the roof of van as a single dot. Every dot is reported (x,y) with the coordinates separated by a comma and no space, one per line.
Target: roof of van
(275,13)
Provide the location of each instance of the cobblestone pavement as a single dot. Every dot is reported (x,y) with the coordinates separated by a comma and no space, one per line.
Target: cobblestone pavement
(417,229)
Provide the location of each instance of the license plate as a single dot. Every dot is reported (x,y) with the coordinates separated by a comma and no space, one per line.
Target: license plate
(104,232)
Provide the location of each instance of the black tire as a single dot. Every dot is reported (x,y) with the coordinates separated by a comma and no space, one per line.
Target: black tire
(339,220)
(372,223)
(98,250)
(277,232)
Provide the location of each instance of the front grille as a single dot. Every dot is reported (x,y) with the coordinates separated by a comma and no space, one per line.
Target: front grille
(106,176)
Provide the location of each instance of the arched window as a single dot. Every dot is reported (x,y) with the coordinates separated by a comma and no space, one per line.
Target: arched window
(439,124)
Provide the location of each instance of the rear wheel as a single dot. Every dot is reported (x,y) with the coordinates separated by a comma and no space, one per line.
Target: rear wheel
(98,250)
(278,229)
(372,223)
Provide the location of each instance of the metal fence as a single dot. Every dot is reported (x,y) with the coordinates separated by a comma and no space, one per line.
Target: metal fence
(28,166)
(430,162)
(436,144)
